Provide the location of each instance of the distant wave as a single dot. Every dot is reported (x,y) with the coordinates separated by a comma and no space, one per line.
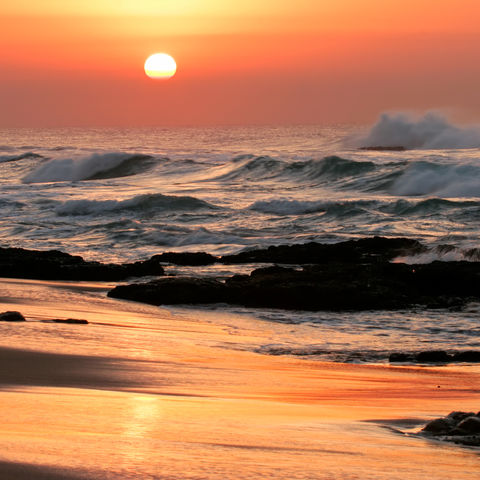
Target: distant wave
(140,203)
(267,168)
(288,207)
(330,168)
(296,207)
(352,208)
(424,207)
(14,158)
(432,131)
(92,167)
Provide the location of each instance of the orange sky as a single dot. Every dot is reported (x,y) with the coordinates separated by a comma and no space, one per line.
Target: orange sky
(80,62)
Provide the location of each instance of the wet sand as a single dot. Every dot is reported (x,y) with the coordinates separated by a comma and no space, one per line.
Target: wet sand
(187,407)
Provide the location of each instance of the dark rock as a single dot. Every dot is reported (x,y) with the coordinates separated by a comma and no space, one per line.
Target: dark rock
(11,316)
(172,290)
(433,356)
(439,426)
(472,356)
(363,250)
(56,265)
(75,321)
(457,427)
(191,259)
(470,425)
(457,417)
(332,286)
(399,357)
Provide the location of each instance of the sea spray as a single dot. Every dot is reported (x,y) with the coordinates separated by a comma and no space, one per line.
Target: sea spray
(431,131)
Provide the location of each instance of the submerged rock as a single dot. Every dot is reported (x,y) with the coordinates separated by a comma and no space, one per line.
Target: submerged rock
(12,316)
(458,427)
(56,265)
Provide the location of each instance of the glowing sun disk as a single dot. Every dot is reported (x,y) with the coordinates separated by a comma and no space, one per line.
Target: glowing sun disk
(160,66)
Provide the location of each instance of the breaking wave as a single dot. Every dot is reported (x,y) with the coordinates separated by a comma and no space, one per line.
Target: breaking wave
(432,131)
(140,203)
(92,167)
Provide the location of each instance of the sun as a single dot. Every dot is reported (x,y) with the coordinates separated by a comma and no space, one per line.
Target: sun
(160,66)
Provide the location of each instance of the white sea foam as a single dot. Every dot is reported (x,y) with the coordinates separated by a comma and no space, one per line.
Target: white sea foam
(83,168)
(441,254)
(432,131)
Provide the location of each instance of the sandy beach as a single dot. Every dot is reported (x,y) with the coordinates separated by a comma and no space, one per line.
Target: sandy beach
(183,402)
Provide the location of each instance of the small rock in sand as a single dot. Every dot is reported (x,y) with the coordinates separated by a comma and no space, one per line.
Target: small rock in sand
(75,321)
(12,316)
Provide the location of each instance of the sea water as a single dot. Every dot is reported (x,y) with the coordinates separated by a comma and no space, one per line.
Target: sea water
(127,194)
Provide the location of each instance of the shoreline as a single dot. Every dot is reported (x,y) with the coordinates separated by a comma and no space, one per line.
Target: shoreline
(174,398)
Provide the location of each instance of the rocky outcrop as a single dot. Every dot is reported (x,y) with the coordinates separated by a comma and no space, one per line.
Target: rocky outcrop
(458,427)
(11,316)
(173,290)
(375,249)
(56,265)
(328,286)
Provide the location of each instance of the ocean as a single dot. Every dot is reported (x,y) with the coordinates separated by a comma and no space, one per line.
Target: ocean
(127,194)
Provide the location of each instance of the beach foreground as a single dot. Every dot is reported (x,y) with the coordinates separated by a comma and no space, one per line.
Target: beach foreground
(144,392)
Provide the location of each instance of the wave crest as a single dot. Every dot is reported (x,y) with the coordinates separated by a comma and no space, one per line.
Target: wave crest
(92,167)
